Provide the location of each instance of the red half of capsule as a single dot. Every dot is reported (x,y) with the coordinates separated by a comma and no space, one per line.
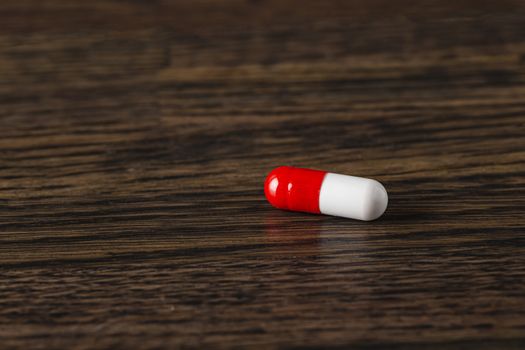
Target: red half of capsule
(295,189)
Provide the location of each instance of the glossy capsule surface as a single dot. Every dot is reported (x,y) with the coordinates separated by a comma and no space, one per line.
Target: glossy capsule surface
(321,192)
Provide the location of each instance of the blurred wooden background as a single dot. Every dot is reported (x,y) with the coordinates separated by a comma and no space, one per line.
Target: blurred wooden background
(134,141)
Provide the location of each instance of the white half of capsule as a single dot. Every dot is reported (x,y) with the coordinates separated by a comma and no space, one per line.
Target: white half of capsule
(352,197)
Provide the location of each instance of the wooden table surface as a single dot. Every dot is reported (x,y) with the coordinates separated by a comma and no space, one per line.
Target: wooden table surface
(135,137)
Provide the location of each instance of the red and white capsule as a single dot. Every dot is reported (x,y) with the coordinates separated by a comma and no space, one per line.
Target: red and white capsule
(320,192)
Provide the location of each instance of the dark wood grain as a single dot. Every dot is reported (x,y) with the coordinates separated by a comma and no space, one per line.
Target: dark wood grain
(135,137)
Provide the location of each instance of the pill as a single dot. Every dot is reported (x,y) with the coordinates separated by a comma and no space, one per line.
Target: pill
(321,192)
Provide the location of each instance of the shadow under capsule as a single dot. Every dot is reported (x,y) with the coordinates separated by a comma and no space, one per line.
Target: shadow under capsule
(293,233)
(309,234)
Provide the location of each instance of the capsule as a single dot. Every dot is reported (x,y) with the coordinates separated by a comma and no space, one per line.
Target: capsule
(321,192)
